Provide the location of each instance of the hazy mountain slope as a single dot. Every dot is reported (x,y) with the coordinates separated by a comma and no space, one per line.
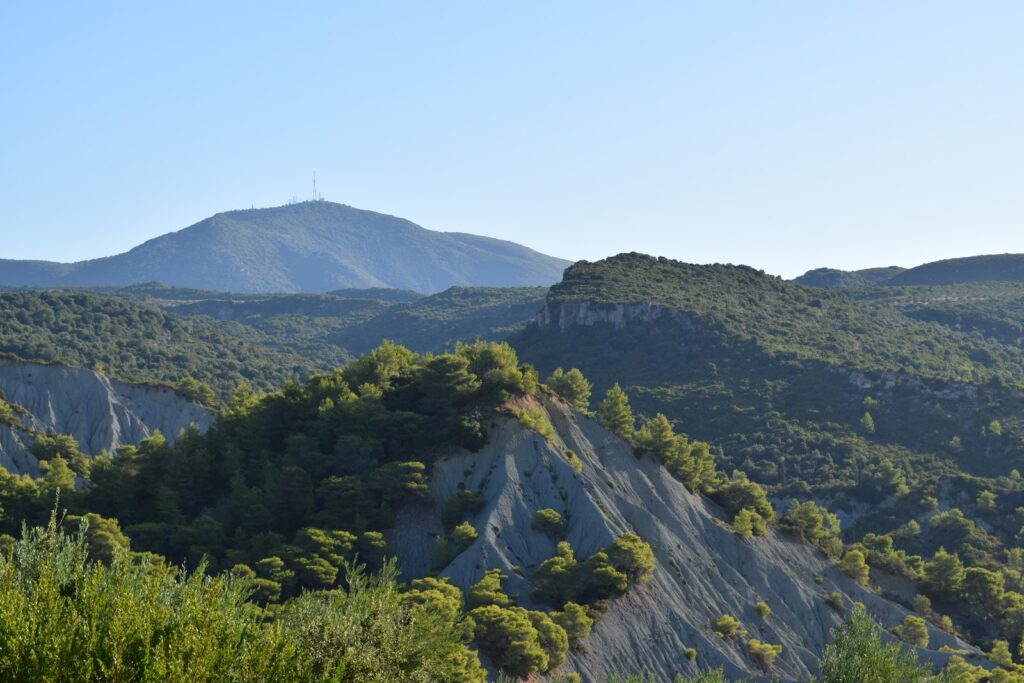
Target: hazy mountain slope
(310,247)
(101,414)
(703,569)
(992,268)
(436,322)
(845,279)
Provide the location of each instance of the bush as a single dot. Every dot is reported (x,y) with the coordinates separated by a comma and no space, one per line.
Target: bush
(509,636)
(632,556)
(549,522)
(764,653)
(857,654)
(463,536)
(536,418)
(460,507)
(835,600)
(726,626)
(574,620)
(616,415)
(913,630)
(854,566)
(763,610)
(691,654)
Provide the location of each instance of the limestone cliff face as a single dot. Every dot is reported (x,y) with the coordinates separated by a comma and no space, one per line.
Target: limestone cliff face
(100,413)
(704,570)
(565,314)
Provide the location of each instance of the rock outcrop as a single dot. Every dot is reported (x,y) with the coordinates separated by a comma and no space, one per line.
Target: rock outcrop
(100,413)
(704,570)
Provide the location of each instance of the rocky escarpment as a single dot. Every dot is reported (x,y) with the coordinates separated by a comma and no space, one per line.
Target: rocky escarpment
(100,413)
(565,314)
(703,570)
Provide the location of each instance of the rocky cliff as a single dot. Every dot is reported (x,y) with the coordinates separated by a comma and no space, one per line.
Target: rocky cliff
(704,570)
(100,413)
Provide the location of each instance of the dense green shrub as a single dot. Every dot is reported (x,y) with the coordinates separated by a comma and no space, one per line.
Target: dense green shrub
(726,626)
(549,522)
(616,415)
(857,654)
(764,653)
(912,630)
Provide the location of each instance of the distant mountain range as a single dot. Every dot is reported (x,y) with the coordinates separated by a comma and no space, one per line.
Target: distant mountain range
(314,246)
(992,268)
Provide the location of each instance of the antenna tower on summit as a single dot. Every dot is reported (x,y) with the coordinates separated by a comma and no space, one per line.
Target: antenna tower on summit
(316,197)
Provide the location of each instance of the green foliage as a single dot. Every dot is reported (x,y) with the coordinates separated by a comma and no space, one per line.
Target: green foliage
(726,626)
(69,619)
(763,610)
(615,414)
(574,620)
(489,590)
(1000,654)
(835,601)
(691,462)
(740,493)
(571,386)
(854,565)
(463,536)
(913,630)
(632,556)
(815,525)
(555,580)
(508,636)
(604,575)
(764,653)
(536,418)
(857,654)
(138,342)
(748,523)
(945,574)
(549,522)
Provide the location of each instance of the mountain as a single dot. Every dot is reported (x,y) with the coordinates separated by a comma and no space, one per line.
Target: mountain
(993,268)
(99,413)
(313,246)
(845,279)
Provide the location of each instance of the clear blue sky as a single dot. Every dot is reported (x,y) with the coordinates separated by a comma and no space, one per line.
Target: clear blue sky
(784,135)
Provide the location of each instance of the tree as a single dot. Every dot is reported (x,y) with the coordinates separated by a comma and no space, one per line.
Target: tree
(913,630)
(944,574)
(489,591)
(854,566)
(1000,654)
(867,423)
(857,654)
(748,523)
(656,436)
(554,581)
(986,502)
(552,638)
(510,639)
(815,525)
(615,414)
(574,620)
(632,556)
(986,590)
(571,386)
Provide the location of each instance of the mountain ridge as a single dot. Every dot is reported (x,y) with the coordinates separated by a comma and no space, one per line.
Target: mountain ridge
(314,246)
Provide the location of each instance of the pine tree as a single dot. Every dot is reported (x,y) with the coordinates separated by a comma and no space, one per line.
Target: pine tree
(615,413)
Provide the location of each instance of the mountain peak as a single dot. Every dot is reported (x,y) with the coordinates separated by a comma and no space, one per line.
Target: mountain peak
(311,246)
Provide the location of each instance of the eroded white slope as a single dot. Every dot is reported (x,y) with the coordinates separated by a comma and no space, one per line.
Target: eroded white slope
(703,569)
(100,413)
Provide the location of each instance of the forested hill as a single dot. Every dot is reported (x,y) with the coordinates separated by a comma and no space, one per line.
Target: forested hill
(847,279)
(308,247)
(136,342)
(994,268)
(991,268)
(778,317)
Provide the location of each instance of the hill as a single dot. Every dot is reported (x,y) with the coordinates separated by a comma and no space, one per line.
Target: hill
(520,526)
(846,279)
(898,408)
(308,247)
(994,268)
(137,342)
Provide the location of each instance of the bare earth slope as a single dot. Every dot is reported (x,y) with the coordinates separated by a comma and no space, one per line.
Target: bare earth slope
(703,569)
(101,414)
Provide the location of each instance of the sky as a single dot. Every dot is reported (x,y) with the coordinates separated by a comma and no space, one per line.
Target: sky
(782,135)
